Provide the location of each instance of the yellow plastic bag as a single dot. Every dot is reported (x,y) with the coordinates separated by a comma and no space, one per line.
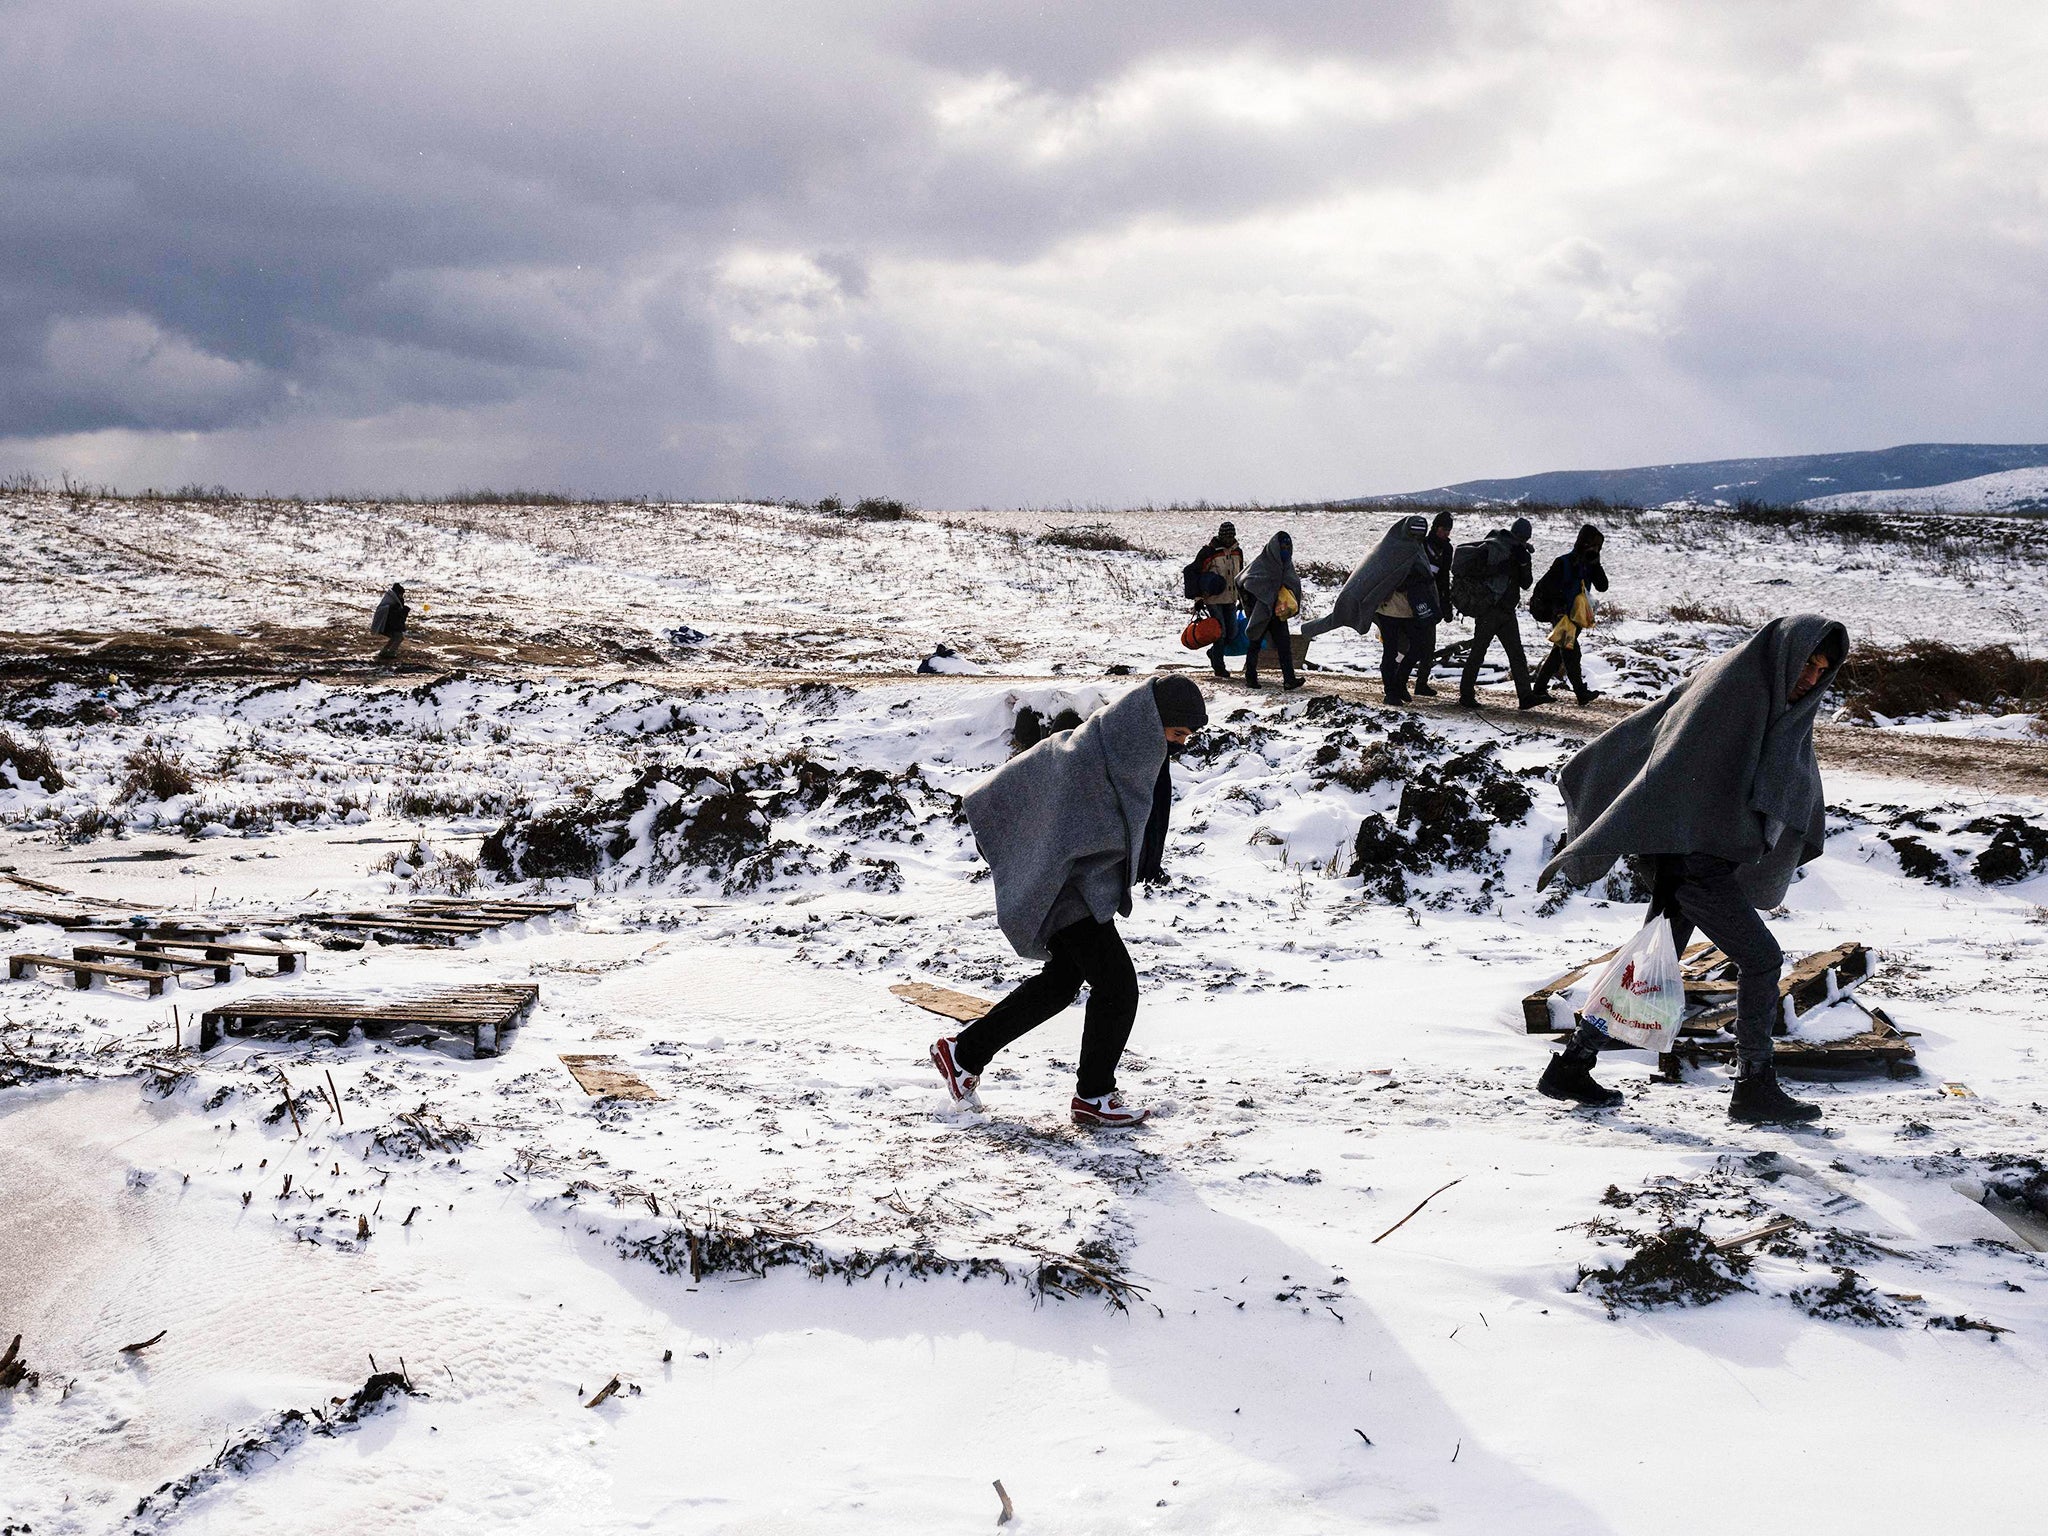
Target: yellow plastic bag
(1286,605)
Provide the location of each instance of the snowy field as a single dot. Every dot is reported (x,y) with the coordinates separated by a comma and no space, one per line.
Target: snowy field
(1208,1325)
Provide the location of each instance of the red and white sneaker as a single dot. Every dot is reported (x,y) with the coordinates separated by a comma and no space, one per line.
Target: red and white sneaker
(1109,1110)
(959,1082)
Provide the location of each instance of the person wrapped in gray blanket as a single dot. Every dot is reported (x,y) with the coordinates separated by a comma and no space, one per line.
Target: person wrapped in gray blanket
(1394,588)
(1716,785)
(1067,828)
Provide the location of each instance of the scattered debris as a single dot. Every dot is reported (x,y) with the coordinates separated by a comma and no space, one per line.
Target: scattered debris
(13,1369)
(136,1349)
(962,1007)
(1397,1226)
(1678,1267)
(1009,1512)
(602,1077)
(477,1013)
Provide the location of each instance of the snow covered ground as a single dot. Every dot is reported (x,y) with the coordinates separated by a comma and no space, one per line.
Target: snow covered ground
(1207,1325)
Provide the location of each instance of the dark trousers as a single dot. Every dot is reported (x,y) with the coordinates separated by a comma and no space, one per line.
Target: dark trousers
(1505,625)
(392,642)
(1421,650)
(1226,615)
(1396,648)
(1087,952)
(1703,895)
(1259,632)
(1562,659)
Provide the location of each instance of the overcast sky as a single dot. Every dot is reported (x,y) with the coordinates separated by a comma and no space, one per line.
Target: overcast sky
(991,253)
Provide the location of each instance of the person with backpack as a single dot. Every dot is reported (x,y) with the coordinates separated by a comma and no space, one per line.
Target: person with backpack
(1271,591)
(1068,827)
(1488,578)
(1210,581)
(1438,547)
(1717,787)
(1395,589)
(389,621)
(1563,599)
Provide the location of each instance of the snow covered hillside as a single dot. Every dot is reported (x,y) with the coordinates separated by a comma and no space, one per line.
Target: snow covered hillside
(1354,1273)
(2012,490)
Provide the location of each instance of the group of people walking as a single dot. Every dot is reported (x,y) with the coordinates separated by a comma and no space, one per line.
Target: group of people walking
(1715,789)
(1411,582)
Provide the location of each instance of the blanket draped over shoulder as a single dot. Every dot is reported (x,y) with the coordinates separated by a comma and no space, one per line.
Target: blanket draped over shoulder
(1072,810)
(1266,576)
(1398,558)
(1722,764)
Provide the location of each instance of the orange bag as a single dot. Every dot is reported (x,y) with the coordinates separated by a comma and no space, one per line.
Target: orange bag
(1202,633)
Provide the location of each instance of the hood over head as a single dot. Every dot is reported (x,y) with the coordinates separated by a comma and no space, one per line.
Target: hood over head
(1722,764)
(1075,807)
(1271,571)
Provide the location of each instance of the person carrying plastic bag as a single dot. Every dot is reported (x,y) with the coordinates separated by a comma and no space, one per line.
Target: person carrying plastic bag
(1716,785)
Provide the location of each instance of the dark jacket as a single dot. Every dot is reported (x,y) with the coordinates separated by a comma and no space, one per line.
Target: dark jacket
(1439,550)
(1568,573)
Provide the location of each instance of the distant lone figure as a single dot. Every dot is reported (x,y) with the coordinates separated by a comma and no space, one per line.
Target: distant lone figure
(1068,827)
(1716,785)
(389,621)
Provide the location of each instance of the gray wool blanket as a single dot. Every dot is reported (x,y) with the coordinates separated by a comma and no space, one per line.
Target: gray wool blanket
(1273,570)
(1070,811)
(1722,764)
(1398,558)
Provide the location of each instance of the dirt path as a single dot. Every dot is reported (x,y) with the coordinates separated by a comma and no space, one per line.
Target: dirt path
(336,655)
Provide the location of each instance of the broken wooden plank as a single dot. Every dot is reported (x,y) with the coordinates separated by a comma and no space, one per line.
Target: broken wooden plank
(603,1078)
(962,1007)
(289,957)
(1755,1234)
(149,960)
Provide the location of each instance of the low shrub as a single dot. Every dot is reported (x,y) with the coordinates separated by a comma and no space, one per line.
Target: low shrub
(155,772)
(32,762)
(1930,676)
(1095,536)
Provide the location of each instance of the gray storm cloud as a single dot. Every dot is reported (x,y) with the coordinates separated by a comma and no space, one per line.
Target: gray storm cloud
(1008,253)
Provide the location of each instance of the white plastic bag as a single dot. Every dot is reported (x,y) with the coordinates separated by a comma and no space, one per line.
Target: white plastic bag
(1640,997)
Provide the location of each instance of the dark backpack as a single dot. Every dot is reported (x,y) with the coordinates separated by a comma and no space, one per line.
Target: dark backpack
(1472,593)
(1191,577)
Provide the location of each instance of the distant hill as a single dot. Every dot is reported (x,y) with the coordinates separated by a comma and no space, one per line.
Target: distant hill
(1777,482)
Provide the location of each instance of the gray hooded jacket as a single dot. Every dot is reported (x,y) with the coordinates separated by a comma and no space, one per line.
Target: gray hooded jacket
(1397,559)
(1722,764)
(1063,825)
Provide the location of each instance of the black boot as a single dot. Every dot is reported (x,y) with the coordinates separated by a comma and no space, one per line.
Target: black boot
(1216,665)
(1575,674)
(1469,701)
(1251,675)
(1758,1100)
(1570,1078)
(1424,691)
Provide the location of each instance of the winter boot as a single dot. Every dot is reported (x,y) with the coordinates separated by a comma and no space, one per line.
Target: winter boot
(1469,701)
(1109,1111)
(1545,674)
(1531,700)
(1571,1079)
(1423,691)
(960,1083)
(1291,682)
(1251,668)
(1758,1100)
(1220,670)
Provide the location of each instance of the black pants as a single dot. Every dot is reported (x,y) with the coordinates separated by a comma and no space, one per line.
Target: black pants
(1393,639)
(1226,615)
(1259,632)
(1087,952)
(1703,895)
(1565,659)
(1504,624)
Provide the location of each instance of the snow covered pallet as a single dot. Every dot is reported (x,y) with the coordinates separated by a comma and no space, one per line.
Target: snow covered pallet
(440,920)
(82,971)
(475,1012)
(1883,1047)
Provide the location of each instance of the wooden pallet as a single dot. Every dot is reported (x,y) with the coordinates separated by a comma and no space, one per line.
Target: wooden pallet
(962,1007)
(477,1012)
(439,919)
(83,971)
(1884,1047)
(150,960)
(289,958)
(1811,983)
(603,1078)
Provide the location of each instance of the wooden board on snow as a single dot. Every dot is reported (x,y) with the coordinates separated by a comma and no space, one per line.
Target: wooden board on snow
(962,1007)
(603,1078)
